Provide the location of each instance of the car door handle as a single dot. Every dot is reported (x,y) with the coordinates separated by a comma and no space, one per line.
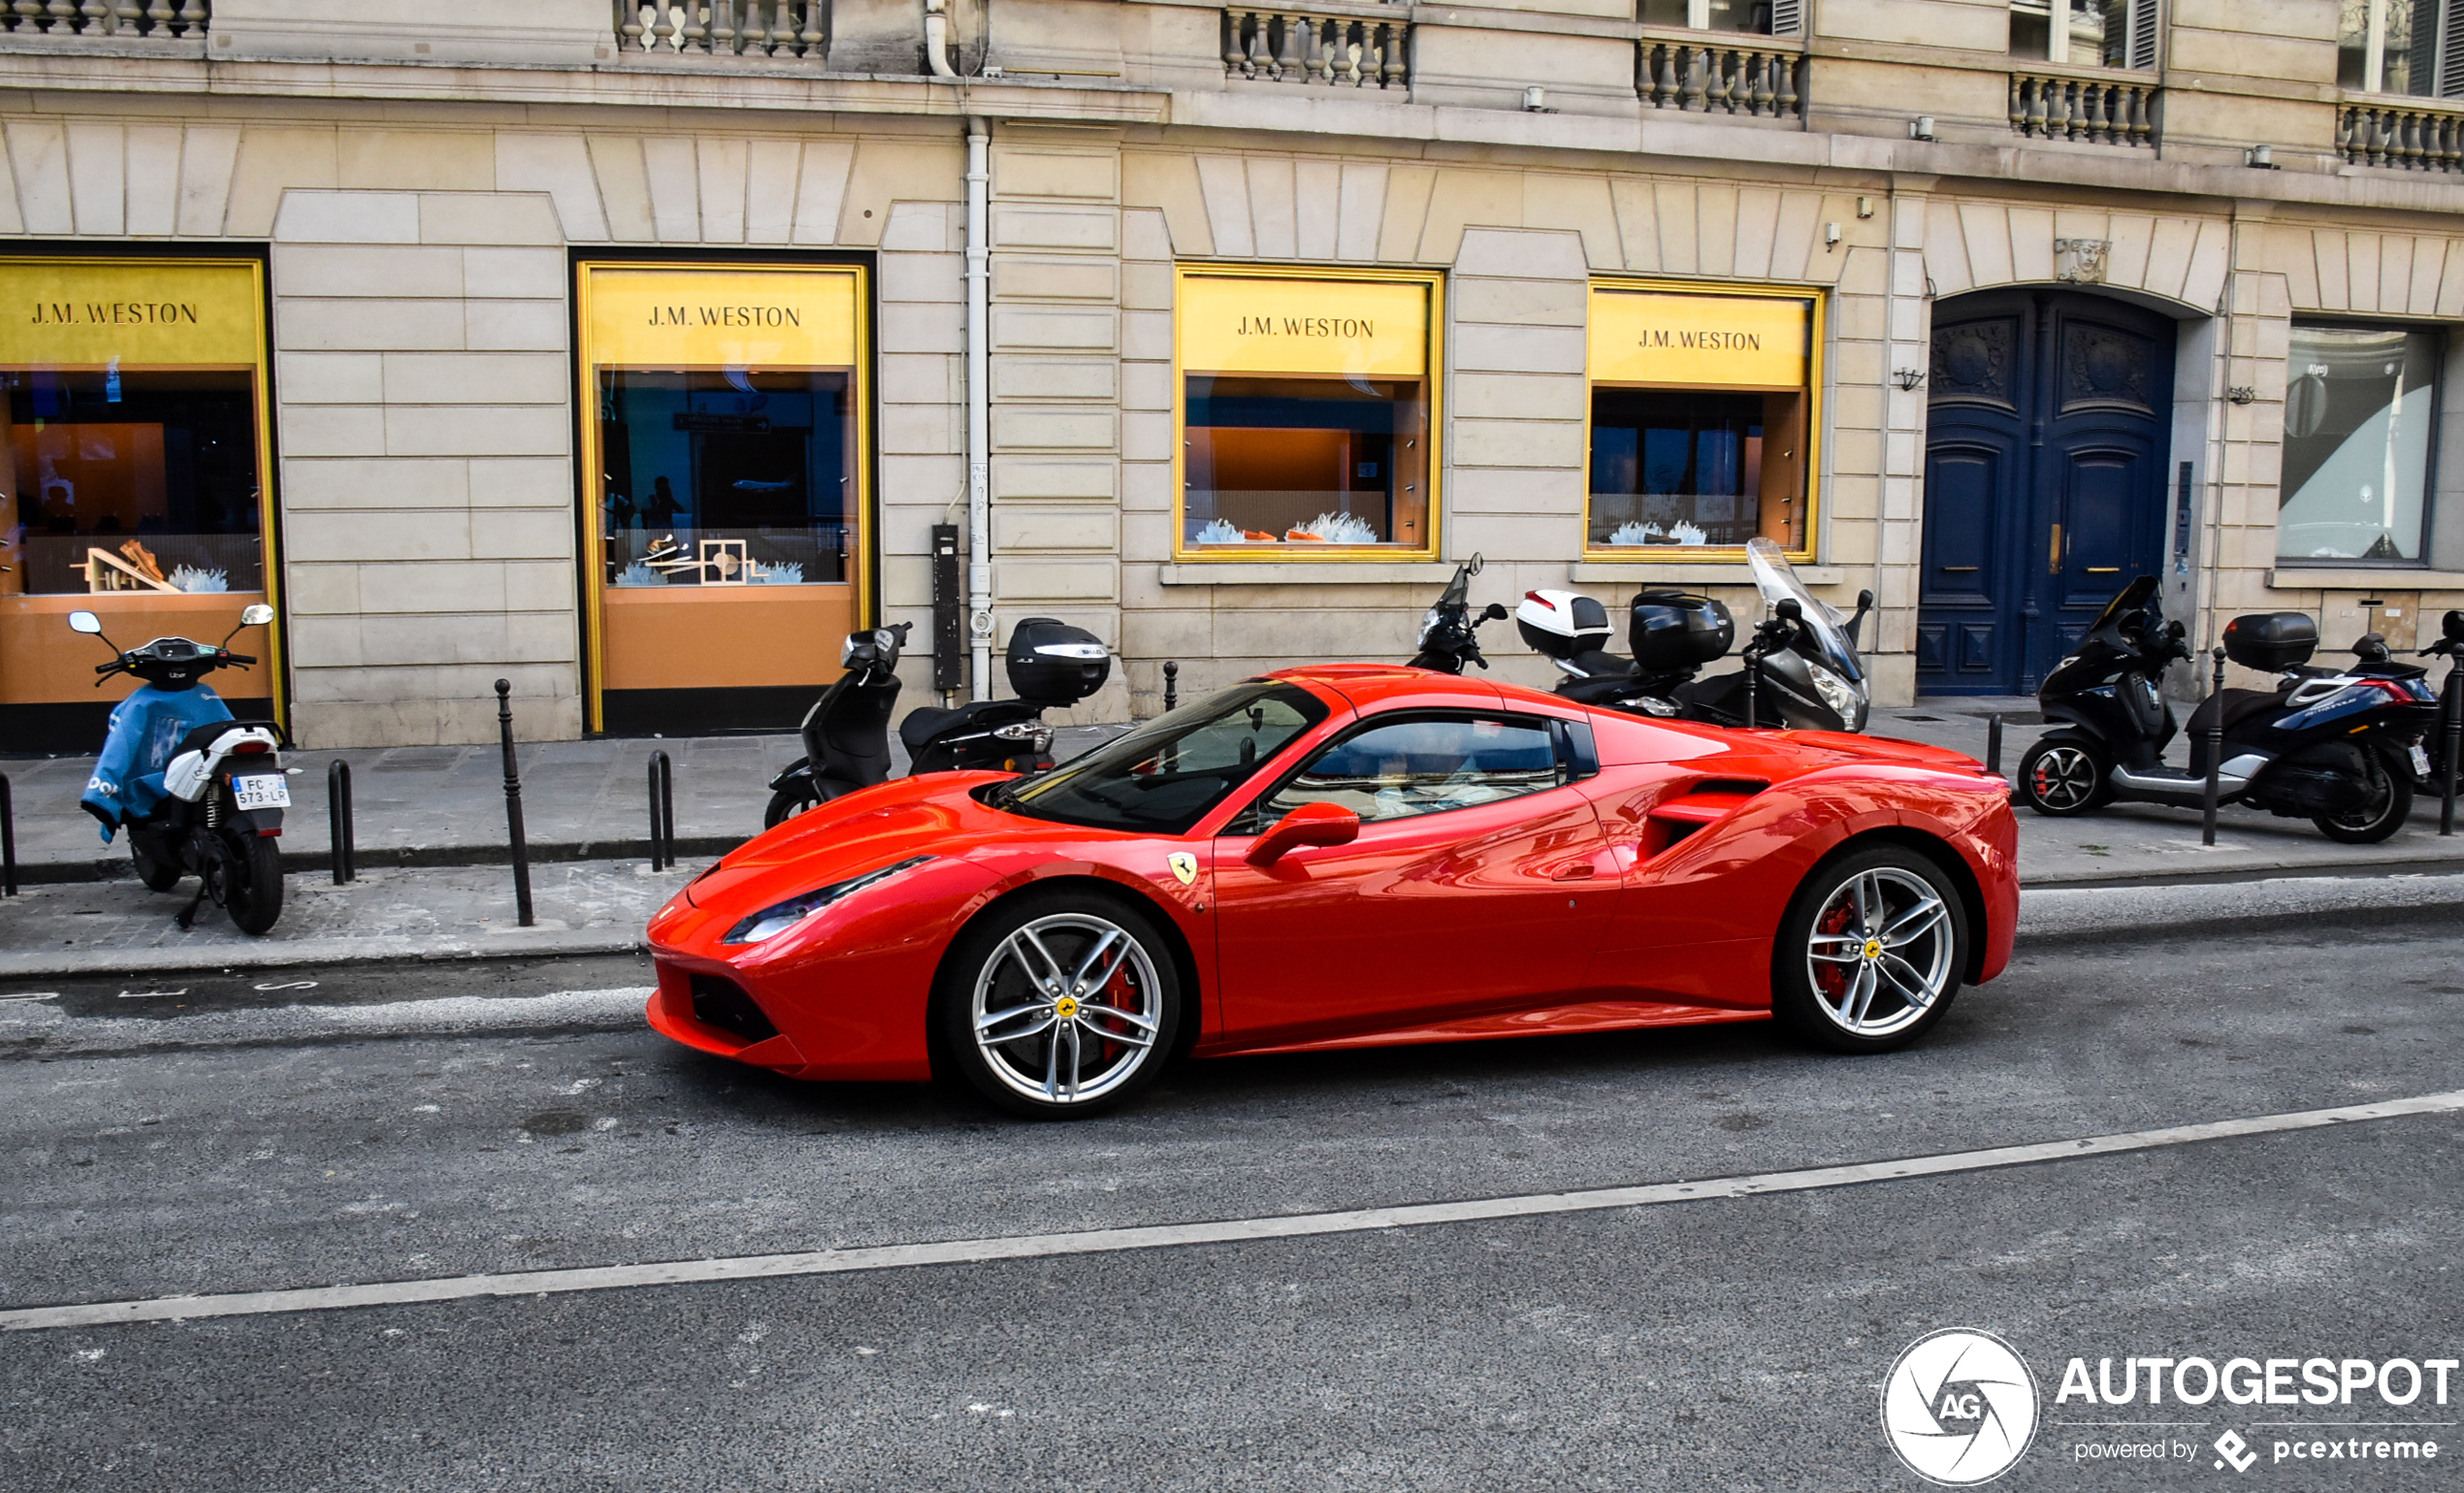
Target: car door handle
(1579,870)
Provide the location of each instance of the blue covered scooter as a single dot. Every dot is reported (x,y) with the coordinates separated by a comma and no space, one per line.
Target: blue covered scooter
(199,792)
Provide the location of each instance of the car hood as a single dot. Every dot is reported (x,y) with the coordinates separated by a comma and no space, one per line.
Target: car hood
(936,815)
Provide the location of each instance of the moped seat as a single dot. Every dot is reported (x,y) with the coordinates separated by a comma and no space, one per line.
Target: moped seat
(2239,706)
(925,723)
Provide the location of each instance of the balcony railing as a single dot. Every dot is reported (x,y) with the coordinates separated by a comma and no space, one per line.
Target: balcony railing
(138,21)
(2100,111)
(2407,138)
(1344,52)
(1761,81)
(724,28)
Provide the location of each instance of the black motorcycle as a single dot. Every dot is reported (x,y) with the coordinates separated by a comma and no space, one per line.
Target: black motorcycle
(2339,746)
(1802,669)
(201,793)
(1449,632)
(847,733)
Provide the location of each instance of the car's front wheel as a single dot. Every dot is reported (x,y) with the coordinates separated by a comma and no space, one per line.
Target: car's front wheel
(1059,1004)
(1870,953)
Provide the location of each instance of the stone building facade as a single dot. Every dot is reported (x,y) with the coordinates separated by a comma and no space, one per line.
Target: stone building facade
(2182,305)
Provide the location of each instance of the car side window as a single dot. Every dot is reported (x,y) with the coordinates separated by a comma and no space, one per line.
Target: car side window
(1403,768)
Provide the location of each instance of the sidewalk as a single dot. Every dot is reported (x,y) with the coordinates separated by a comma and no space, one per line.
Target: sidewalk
(434,883)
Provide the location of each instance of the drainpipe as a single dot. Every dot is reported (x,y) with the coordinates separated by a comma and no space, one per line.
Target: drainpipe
(979,410)
(937,38)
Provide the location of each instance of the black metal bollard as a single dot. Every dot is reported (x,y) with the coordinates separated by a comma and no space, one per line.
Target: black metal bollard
(339,829)
(1171,686)
(8,837)
(1994,743)
(2215,752)
(1753,684)
(662,812)
(513,804)
(2455,703)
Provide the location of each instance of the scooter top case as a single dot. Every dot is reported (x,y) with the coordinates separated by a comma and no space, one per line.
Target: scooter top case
(1050,663)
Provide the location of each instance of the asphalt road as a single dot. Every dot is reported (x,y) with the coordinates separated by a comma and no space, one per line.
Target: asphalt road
(1737,1343)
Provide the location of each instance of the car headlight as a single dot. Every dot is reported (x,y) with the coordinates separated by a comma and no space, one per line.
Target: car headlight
(772,921)
(1837,693)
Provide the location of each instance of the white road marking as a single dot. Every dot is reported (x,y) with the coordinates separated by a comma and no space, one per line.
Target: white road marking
(33,995)
(1163,1236)
(290,984)
(64,1034)
(152,995)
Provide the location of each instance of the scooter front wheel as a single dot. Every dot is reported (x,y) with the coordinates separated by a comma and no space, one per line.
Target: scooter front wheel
(254,899)
(788,803)
(2063,775)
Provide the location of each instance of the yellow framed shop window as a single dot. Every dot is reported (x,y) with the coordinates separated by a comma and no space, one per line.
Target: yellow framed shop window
(1705,418)
(1308,413)
(134,463)
(725,488)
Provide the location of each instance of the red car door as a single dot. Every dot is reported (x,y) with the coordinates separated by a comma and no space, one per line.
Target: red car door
(1481,882)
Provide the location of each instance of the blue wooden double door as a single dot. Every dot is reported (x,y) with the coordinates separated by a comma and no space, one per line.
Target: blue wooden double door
(2047,414)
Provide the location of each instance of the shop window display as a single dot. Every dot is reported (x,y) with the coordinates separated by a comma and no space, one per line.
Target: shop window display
(1700,414)
(2359,404)
(1306,414)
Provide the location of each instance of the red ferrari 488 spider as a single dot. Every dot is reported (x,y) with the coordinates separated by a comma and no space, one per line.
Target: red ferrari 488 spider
(1337,857)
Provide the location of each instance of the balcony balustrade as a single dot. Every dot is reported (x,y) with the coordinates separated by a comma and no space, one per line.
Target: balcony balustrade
(2400,136)
(1760,81)
(1341,50)
(2096,109)
(125,22)
(784,29)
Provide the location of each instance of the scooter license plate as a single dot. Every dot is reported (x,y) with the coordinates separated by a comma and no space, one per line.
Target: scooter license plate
(261,792)
(2420,761)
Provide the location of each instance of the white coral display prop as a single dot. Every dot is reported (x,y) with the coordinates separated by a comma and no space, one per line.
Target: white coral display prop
(1687,534)
(1216,532)
(789,572)
(190,577)
(1635,533)
(1340,529)
(639,575)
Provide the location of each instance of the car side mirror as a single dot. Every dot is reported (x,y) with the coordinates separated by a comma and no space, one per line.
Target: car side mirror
(85,622)
(256,616)
(1311,823)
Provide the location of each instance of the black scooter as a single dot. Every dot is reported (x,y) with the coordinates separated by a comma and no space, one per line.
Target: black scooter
(2339,746)
(1449,632)
(847,731)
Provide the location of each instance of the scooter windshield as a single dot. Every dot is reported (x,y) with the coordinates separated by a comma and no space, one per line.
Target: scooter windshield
(1777,579)
(2132,597)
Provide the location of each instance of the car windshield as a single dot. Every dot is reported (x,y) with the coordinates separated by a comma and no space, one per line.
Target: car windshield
(1164,776)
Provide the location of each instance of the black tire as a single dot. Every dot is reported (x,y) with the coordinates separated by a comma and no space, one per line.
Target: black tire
(788,803)
(1133,1039)
(254,899)
(1815,994)
(2390,806)
(2064,775)
(157,875)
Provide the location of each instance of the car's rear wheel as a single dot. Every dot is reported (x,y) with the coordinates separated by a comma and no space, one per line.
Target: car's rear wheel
(1059,1004)
(1870,953)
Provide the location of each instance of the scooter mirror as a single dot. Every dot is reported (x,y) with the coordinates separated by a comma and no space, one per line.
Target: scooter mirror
(1472,566)
(1789,610)
(1494,611)
(85,622)
(256,616)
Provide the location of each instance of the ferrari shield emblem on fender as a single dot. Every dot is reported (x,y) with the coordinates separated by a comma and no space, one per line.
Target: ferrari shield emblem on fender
(1185,866)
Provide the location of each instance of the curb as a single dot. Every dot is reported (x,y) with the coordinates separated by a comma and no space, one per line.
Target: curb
(537,943)
(117,866)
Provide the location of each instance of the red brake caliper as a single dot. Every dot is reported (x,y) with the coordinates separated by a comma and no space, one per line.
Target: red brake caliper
(1833,978)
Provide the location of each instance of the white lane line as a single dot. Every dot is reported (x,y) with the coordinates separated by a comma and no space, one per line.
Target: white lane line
(1162,1236)
(441,1016)
(32,995)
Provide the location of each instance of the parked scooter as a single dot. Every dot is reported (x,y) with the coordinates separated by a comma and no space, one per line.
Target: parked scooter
(200,793)
(1802,662)
(2431,759)
(847,733)
(2339,746)
(1449,632)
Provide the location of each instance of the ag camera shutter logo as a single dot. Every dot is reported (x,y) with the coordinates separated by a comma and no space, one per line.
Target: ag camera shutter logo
(1960,1407)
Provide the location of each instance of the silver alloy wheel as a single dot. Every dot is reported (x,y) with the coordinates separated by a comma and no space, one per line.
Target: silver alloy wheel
(1067,1008)
(2064,778)
(1880,953)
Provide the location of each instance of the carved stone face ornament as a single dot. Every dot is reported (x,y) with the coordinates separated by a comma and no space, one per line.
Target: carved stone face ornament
(2080,261)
